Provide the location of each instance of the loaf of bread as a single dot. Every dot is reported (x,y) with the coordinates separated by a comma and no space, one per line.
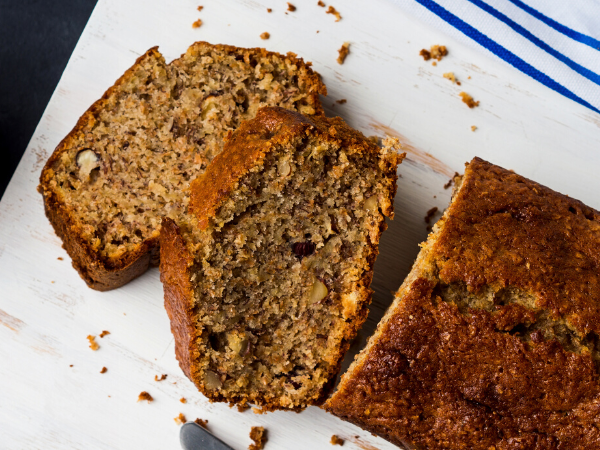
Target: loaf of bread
(267,279)
(492,340)
(128,161)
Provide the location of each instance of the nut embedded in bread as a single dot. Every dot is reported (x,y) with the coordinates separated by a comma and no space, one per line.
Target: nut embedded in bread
(492,340)
(129,160)
(267,280)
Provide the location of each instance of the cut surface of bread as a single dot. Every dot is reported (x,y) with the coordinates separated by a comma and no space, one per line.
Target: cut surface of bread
(492,340)
(267,279)
(129,160)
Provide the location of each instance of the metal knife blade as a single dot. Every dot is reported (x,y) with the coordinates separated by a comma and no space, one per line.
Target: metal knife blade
(193,437)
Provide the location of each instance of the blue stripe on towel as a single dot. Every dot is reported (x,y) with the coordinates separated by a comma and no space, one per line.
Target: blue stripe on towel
(583,71)
(575,35)
(501,52)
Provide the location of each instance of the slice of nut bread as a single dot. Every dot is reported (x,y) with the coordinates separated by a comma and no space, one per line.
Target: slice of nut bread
(492,340)
(267,280)
(129,160)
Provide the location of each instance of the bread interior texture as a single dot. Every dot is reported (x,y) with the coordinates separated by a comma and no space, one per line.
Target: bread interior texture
(132,161)
(282,273)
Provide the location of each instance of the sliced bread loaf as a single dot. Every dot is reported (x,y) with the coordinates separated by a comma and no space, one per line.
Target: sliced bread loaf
(267,280)
(492,340)
(128,161)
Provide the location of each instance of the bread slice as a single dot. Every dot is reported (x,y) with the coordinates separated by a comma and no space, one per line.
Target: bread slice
(492,340)
(267,280)
(128,161)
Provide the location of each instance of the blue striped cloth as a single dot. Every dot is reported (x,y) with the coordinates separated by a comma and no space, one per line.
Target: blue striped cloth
(556,42)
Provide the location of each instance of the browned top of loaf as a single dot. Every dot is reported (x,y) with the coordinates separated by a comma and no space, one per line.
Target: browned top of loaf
(442,379)
(506,230)
(254,139)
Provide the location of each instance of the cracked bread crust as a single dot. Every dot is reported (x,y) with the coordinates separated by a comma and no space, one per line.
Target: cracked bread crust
(247,149)
(492,339)
(105,270)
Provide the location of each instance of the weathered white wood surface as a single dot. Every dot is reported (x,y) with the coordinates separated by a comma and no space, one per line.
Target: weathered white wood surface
(46,311)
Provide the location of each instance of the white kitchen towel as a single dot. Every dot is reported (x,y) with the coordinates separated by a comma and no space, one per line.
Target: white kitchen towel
(556,42)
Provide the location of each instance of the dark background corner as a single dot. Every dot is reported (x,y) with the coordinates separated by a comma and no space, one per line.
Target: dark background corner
(37,38)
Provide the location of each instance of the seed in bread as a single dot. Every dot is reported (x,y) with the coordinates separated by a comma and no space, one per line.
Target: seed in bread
(267,279)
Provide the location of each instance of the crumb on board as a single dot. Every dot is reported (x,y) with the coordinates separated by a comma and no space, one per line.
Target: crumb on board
(104,333)
(241,407)
(70,365)
(435,52)
(180,419)
(197,23)
(201,422)
(258,435)
(145,396)
(200,8)
(430,214)
(269,10)
(264,36)
(450,76)
(341,101)
(332,10)
(104,369)
(450,181)
(468,100)
(162,377)
(336,440)
(469,77)
(291,8)
(321,4)
(343,52)
(473,127)
(93,344)
(183,400)
(60,258)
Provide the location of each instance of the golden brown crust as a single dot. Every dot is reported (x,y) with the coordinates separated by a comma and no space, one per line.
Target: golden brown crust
(103,273)
(439,378)
(175,273)
(254,139)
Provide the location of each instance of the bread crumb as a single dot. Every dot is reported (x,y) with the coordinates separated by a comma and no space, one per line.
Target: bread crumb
(104,369)
(201,422)
(243,407)
(197,23)
(332,10)
(430,214)
(162,377)
(104,333)
(257,434)
(200,8)
(93,345)
(269,10)
(473,127)
(180,419)
(450,76)
(145,396)
(469,77)
(60,258)
(468,100)
(336,440)
(435,52)
(265,36)
(291,8)
(183,400)
(70,365)
(343,52)
(321,4)
(341,101)
(450,181)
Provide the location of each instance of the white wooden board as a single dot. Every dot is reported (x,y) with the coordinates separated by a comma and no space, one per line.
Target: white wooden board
(46,311)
